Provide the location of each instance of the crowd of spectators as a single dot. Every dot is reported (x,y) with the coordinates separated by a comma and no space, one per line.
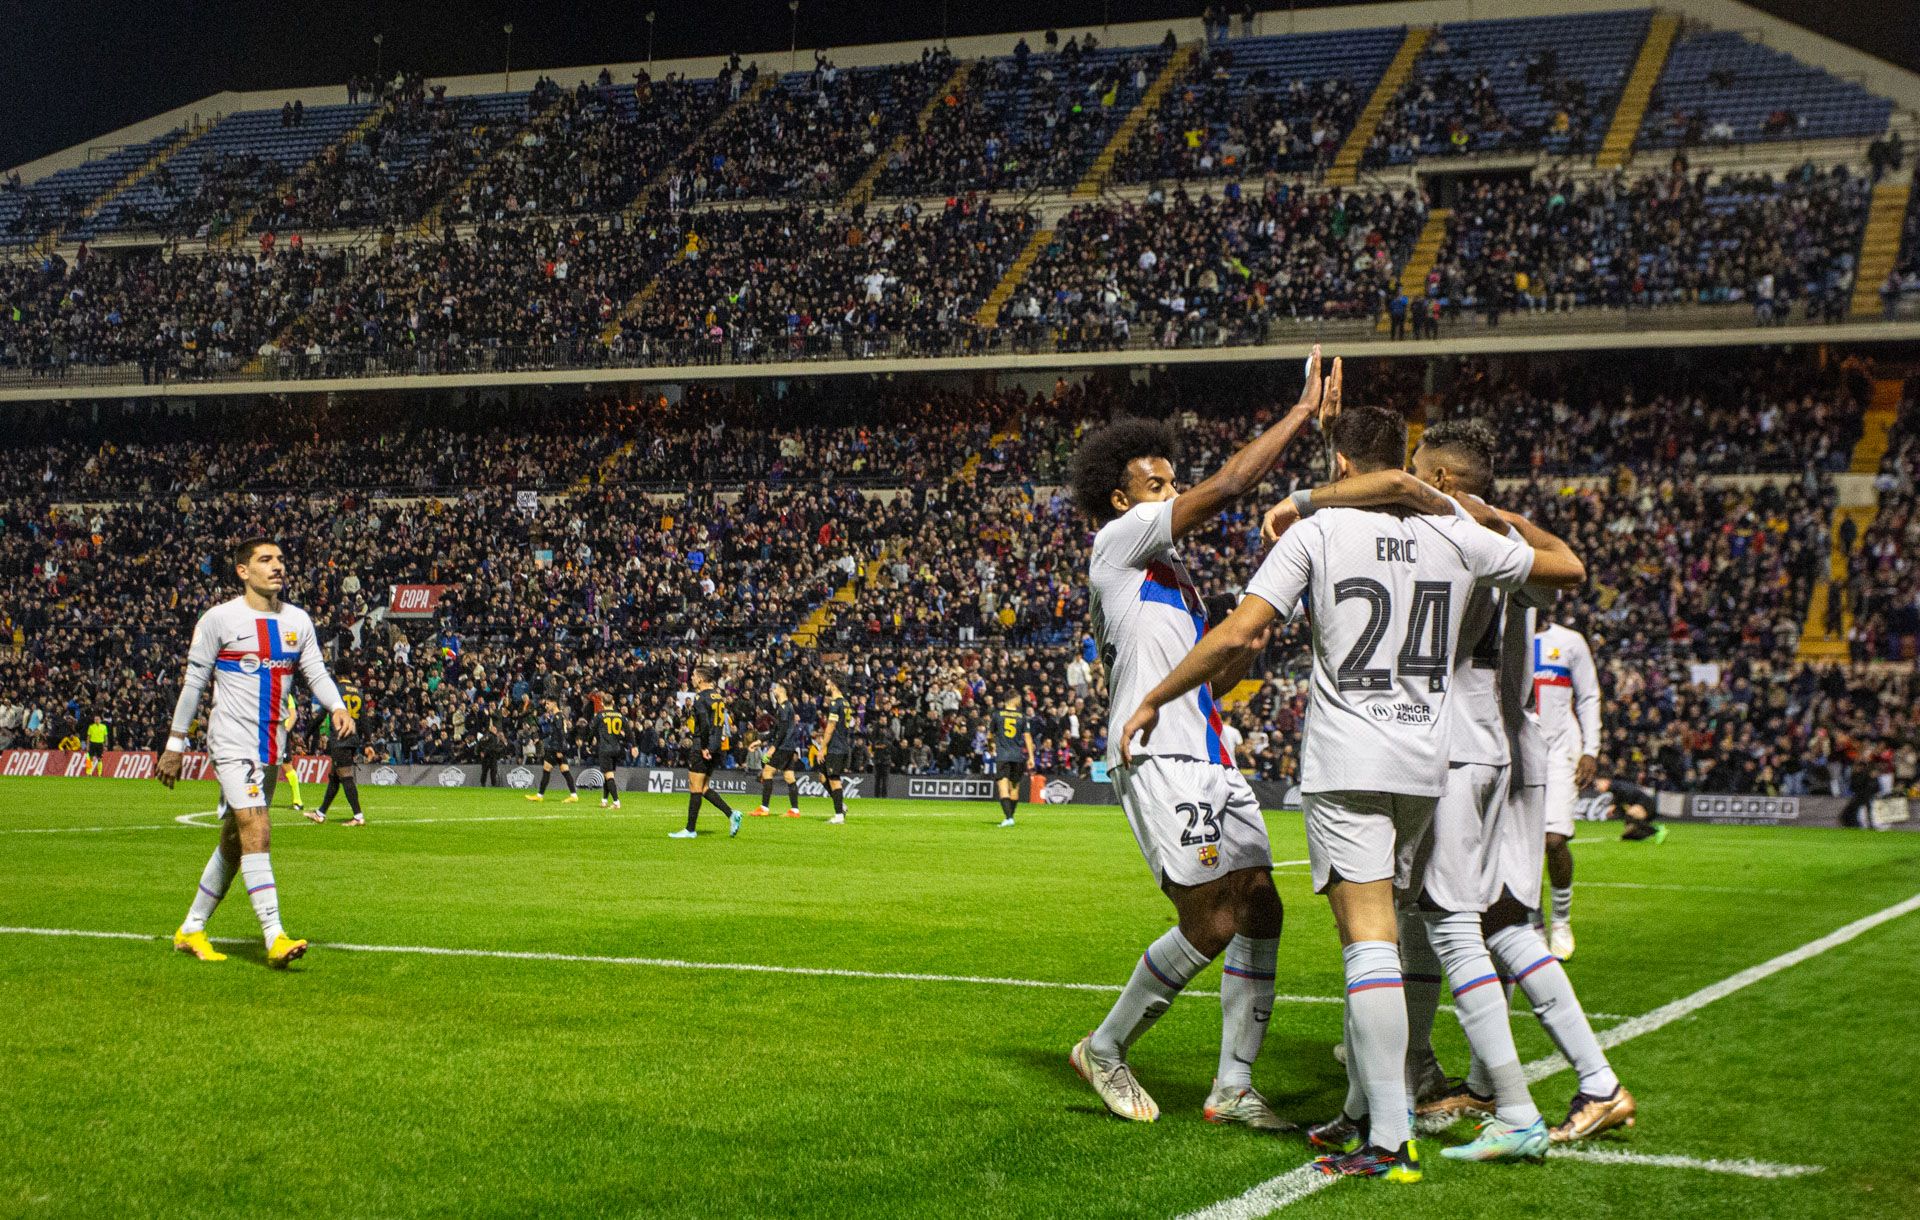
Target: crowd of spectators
(1662,239)
(797,284)
(1216,125)
(716,520)
(1183,272)
(1025,122)
(1454,109)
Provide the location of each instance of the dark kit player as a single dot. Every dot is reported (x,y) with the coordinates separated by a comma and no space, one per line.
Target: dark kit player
(789,736)
(609,751)
(710,722)
(343,750)
(836,749)
(1012,754)
(554,751)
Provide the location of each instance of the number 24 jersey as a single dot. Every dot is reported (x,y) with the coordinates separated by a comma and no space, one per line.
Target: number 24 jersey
(1386,594)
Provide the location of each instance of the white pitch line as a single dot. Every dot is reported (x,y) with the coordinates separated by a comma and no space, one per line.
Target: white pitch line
(182,821)
(1689,889)
(1686,1006)
(1746,1168)
(1296,1184)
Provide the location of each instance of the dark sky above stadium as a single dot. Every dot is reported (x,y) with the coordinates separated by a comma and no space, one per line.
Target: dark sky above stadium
(74,71)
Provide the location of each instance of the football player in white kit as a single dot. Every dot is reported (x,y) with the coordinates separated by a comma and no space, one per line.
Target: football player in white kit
(1193,814)
(247,650)
(1458,458)
(1387,590)
(1567,692)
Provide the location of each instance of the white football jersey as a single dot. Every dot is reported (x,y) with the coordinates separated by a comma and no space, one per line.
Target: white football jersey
(1386,594)
(1566,690)
(1147,615)
(248,656)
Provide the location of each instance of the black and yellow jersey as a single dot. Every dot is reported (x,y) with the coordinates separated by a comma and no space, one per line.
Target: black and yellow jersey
(611,737)
(838,712)
(710,720)
(1009,735)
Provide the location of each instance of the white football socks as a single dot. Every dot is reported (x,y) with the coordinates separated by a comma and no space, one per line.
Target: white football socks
(1377,1038)
(256,873)
(1550,991)
(1562,903)
(1246,1006)
(1481,1004)
(214,880)
(1167,966)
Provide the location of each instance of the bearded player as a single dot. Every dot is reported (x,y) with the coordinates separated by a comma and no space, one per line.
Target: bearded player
(246,650)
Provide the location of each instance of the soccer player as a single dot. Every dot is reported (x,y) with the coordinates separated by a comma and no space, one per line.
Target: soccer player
(790,735)
(555,751)
(1567,693)
(290,717)
(1459,458)
(609,751)
(836,749)
(710,722)
(1388,590)
(246,649)
(96,763)
(1193,815)
(1455,872)
(343,750)
(1012,754)
(1634,804)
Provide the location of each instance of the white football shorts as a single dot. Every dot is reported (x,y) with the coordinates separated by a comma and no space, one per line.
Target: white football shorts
(1519,844)
(1365,836)
(1561,793)
(1195,821)
(1452,867)
(243,783)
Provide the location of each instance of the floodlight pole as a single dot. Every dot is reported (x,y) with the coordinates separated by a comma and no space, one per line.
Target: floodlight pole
(793,36)
(379,58)
(508,30)
(651,14)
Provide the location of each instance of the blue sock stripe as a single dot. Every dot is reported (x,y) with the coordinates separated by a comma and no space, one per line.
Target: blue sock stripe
(1482,981)
(1148,959)
(1371,984)
(209,893)
(1238,973)
(257,888)
(1530,969)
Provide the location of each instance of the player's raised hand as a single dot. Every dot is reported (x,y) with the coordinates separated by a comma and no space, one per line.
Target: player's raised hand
(1143,721)
(1310,393)
(168,769)
(342,722)
(1279,519)
(1330,397)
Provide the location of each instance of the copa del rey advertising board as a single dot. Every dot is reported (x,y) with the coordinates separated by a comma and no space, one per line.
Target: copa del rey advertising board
(136,764)
(415,601)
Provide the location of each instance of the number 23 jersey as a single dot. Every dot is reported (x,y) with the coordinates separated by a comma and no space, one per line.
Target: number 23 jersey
(1386,594)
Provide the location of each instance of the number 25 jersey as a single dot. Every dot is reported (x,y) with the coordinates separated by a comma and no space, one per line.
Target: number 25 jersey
(1386,594)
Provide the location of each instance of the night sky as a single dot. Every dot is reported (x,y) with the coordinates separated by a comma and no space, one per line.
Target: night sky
(74,71)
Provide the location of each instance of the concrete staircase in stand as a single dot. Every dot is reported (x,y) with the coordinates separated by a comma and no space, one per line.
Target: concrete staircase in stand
(1345,170)
(1638,92)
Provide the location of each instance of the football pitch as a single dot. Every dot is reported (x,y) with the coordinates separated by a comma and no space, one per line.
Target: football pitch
(516,1009)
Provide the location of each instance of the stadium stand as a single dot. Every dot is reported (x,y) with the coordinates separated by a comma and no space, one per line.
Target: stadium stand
(1259,105)
(1515,84)
(1722,87)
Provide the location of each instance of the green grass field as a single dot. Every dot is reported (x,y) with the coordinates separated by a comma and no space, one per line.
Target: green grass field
(135,1081)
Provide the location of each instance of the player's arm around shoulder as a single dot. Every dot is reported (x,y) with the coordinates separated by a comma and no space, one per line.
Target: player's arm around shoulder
(1240,633)
(1508,562)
